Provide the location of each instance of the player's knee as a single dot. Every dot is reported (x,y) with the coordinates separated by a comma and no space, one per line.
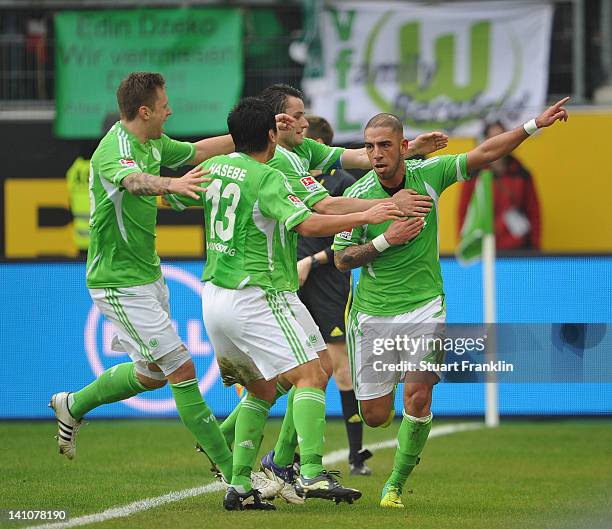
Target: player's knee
(319,378)
(177,365)
(152,380)
(418,401)
(155,384)
(374,416)
(262,389)
(310,374)
(342,375)
(326,363)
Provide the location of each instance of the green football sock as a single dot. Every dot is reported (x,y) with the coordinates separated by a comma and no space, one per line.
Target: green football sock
(287,438)
(228,426)
(411,439)
(249,433)
(201,422)
(309,418)
(117,383)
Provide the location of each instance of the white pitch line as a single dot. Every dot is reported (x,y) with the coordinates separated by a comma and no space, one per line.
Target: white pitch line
(152,503)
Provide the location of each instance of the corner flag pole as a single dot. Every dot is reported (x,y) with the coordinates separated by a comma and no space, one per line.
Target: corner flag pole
(489,292)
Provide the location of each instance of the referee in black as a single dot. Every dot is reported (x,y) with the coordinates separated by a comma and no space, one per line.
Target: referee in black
(326,292)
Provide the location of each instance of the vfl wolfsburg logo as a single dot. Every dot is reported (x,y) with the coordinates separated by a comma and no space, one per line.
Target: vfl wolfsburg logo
(421,88)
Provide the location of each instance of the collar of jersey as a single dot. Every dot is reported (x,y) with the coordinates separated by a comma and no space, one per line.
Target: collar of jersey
(380,186)
(133,139)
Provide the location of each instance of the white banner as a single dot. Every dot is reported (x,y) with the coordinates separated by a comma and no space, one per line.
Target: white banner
(437,67)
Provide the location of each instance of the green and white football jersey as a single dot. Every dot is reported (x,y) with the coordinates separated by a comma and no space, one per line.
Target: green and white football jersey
(122,246)
(249,209)
(405,277)
(295,165)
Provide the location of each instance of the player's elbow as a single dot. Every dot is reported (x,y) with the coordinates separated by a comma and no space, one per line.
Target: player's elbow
(325,206)
(341,265)
(307,228)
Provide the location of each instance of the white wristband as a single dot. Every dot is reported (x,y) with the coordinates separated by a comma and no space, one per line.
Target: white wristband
(380,243)
(530,127)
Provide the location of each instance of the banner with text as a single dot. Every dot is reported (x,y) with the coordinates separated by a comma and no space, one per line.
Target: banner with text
(441,66)
(199,52)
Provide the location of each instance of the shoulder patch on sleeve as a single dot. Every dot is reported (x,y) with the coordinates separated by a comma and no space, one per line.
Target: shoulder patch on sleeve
(346,235)
(128,163)
(295,201)
(310,183)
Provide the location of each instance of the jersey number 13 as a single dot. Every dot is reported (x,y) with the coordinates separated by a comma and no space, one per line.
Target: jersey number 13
(223,228)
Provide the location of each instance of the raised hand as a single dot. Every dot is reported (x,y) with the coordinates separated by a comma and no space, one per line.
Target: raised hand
(403,230)
(412,204)
(190,184)
(553,113)
(284,122)
(382,212)
(428,143)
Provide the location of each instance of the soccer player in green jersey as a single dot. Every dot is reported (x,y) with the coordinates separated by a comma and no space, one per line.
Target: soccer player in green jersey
(249,208)
(123,271)
(401,282)
(295,156)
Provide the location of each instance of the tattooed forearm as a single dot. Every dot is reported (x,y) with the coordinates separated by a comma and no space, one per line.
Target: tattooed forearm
(146,184)
(355,256)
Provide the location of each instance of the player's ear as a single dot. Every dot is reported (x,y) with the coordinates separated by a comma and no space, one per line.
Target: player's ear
(404,146)
(272,135)
(144,112)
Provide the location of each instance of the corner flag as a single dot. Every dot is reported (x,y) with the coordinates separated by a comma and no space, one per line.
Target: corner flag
(478,220)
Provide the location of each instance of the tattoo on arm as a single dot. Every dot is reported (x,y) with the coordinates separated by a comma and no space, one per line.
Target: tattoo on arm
(146,184)
(355,256)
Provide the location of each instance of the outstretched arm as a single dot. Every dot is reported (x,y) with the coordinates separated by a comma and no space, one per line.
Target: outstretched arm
(325,225)
(148,184)
(498,146)
(210,147)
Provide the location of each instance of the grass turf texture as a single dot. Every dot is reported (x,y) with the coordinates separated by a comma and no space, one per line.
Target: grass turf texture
(523,474)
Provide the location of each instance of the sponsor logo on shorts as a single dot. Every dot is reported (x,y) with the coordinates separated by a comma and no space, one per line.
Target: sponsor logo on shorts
(310,183)
(153,342)
(346,235)
(248,444)
(312,338)
(296,201)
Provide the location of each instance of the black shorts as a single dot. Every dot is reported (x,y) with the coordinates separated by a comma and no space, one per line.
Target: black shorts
(326,294)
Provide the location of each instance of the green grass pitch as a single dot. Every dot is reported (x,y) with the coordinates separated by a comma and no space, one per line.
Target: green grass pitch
(547,474)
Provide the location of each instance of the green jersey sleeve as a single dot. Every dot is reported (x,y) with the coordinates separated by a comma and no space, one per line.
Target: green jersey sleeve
(321,156)
(307,189)
(182,202)
(175,153)
(114,164)
(276,200)
(348,238)
(443,171)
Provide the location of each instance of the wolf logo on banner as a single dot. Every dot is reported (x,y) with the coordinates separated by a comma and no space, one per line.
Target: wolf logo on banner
(441,66)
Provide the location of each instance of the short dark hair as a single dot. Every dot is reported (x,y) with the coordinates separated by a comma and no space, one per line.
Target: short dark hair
(386,120)
(319,127)
(277,94)
(136,90)
(490,124)
(249,123)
